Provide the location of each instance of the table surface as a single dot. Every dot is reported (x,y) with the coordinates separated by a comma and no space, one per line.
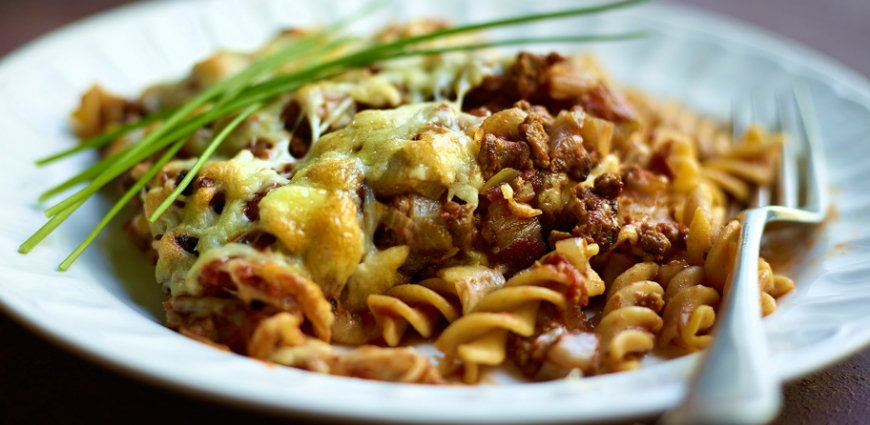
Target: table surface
(41,383)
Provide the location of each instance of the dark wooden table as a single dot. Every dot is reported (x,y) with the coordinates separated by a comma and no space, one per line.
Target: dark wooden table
(40,383)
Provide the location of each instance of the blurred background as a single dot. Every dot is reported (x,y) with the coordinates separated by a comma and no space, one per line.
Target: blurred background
(839,28)
(40,383)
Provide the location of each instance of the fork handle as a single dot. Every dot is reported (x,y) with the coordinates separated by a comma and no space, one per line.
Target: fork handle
(735,383)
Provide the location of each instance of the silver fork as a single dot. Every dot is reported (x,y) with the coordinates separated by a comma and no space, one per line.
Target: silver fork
(735,383)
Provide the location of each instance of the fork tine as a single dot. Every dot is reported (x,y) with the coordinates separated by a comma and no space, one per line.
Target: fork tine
(737,123)
(760,196)
(817,183)
(787,179)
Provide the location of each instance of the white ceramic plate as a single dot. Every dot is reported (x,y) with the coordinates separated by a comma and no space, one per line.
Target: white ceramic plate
(107,306)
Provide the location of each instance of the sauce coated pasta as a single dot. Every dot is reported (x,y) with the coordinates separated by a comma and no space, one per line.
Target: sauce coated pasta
(522,210)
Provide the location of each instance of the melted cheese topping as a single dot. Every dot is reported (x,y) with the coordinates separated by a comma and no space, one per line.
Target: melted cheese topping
(423,148)
(330,245)
(238,180)
(427,148)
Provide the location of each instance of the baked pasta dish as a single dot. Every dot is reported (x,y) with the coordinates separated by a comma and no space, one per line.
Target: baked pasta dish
(520,210)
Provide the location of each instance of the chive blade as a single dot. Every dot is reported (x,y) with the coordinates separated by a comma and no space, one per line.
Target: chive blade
(134,155)
(128,196)
(104,138)
(202,159)
(87,175)
(295,51)
(518,20)
(372,54)
(519,41)
(47,228)
(184,131)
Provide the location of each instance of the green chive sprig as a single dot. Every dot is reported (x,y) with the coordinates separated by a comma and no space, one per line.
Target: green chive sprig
(244,93)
